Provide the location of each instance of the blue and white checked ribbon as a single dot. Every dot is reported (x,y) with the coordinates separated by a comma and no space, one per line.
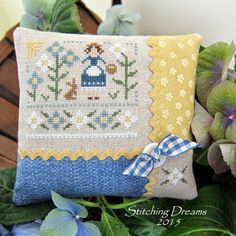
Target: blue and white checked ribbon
(169,147)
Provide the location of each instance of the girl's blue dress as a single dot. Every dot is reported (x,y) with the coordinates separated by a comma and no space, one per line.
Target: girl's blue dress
(93,76)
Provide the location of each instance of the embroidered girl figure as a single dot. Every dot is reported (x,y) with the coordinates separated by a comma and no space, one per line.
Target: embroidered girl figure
(93,77)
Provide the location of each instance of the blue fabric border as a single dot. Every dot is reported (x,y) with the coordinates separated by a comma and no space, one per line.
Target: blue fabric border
(79,178)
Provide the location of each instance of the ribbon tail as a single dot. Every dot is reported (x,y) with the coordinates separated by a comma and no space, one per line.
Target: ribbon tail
(141,167)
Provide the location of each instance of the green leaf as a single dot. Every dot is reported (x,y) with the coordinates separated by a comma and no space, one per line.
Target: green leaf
(132,86)
(59,223)
(147,228)
(132,73)
(117,81)
(217,216)
(65,17)
(222,97)
(9,212)
(67,113)
(218,126)
(90,114)
(212,65)
(200,125)
(200,156)
(111,226)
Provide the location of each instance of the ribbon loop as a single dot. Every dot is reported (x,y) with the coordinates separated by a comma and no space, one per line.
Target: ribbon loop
(169,147)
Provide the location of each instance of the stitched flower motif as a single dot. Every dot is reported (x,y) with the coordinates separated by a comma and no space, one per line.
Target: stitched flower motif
(169,96)
(170,128)
(164,81)
(172,55)
(44,62)
(175,176)
(117,50)
(79,120)
(178,105)
(185,62)
(55,49)
(182,93)
(179,120)
(34,120)
(173,71)
(188,113)
(180,45)
(190,83)
(163,63)
(70,58)
(190,42)
(128,119)
(35,81)
(56,120)
(180,78)
(165,114)
(162,44)
(104,120)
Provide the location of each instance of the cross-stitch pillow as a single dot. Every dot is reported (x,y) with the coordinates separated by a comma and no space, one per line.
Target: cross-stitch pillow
(89,105)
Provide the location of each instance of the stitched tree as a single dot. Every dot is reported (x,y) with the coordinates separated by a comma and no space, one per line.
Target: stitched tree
(119,52)
(56,75)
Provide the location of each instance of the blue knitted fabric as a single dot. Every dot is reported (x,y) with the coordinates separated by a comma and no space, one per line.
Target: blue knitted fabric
(76,178)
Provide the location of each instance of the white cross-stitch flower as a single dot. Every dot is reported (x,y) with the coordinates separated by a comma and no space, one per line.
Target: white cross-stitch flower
(190,42)
(180,78)
(194,58)
(185,62)
(162,44)
(180,45)
(191,98)
(190,83)
(163,63)
(128,119)
(80,119)
(34,120)
(179,120)
(188,113)
(173,71)
(170,128)
(175,176)
(172,55)
(117,50)
(164,81)
(184,132)
(169,96)
(182,93)
(44,62)
(178,105)
(165,114)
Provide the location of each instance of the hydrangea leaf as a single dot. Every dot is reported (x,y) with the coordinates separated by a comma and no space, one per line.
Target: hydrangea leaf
(219,219)
(215,158)
(218,126)
(229,155)
(230,132)
(38,14)
(111,226)
(59,223)
(65,17)
(87,229)
(200,126)
(69,205)
(222,97)
(212,65)
(10,213)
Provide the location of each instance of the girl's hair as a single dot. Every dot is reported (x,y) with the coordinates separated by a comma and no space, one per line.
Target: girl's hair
(94,45)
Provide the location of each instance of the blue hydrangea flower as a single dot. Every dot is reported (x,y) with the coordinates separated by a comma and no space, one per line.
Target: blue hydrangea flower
(67,218)
(118,22)
(104,120)
(56,120)
(32,229)
(55,49)
(70,58)
(35,81)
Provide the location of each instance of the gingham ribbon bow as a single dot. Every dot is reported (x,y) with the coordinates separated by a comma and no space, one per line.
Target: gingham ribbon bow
(169,147)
